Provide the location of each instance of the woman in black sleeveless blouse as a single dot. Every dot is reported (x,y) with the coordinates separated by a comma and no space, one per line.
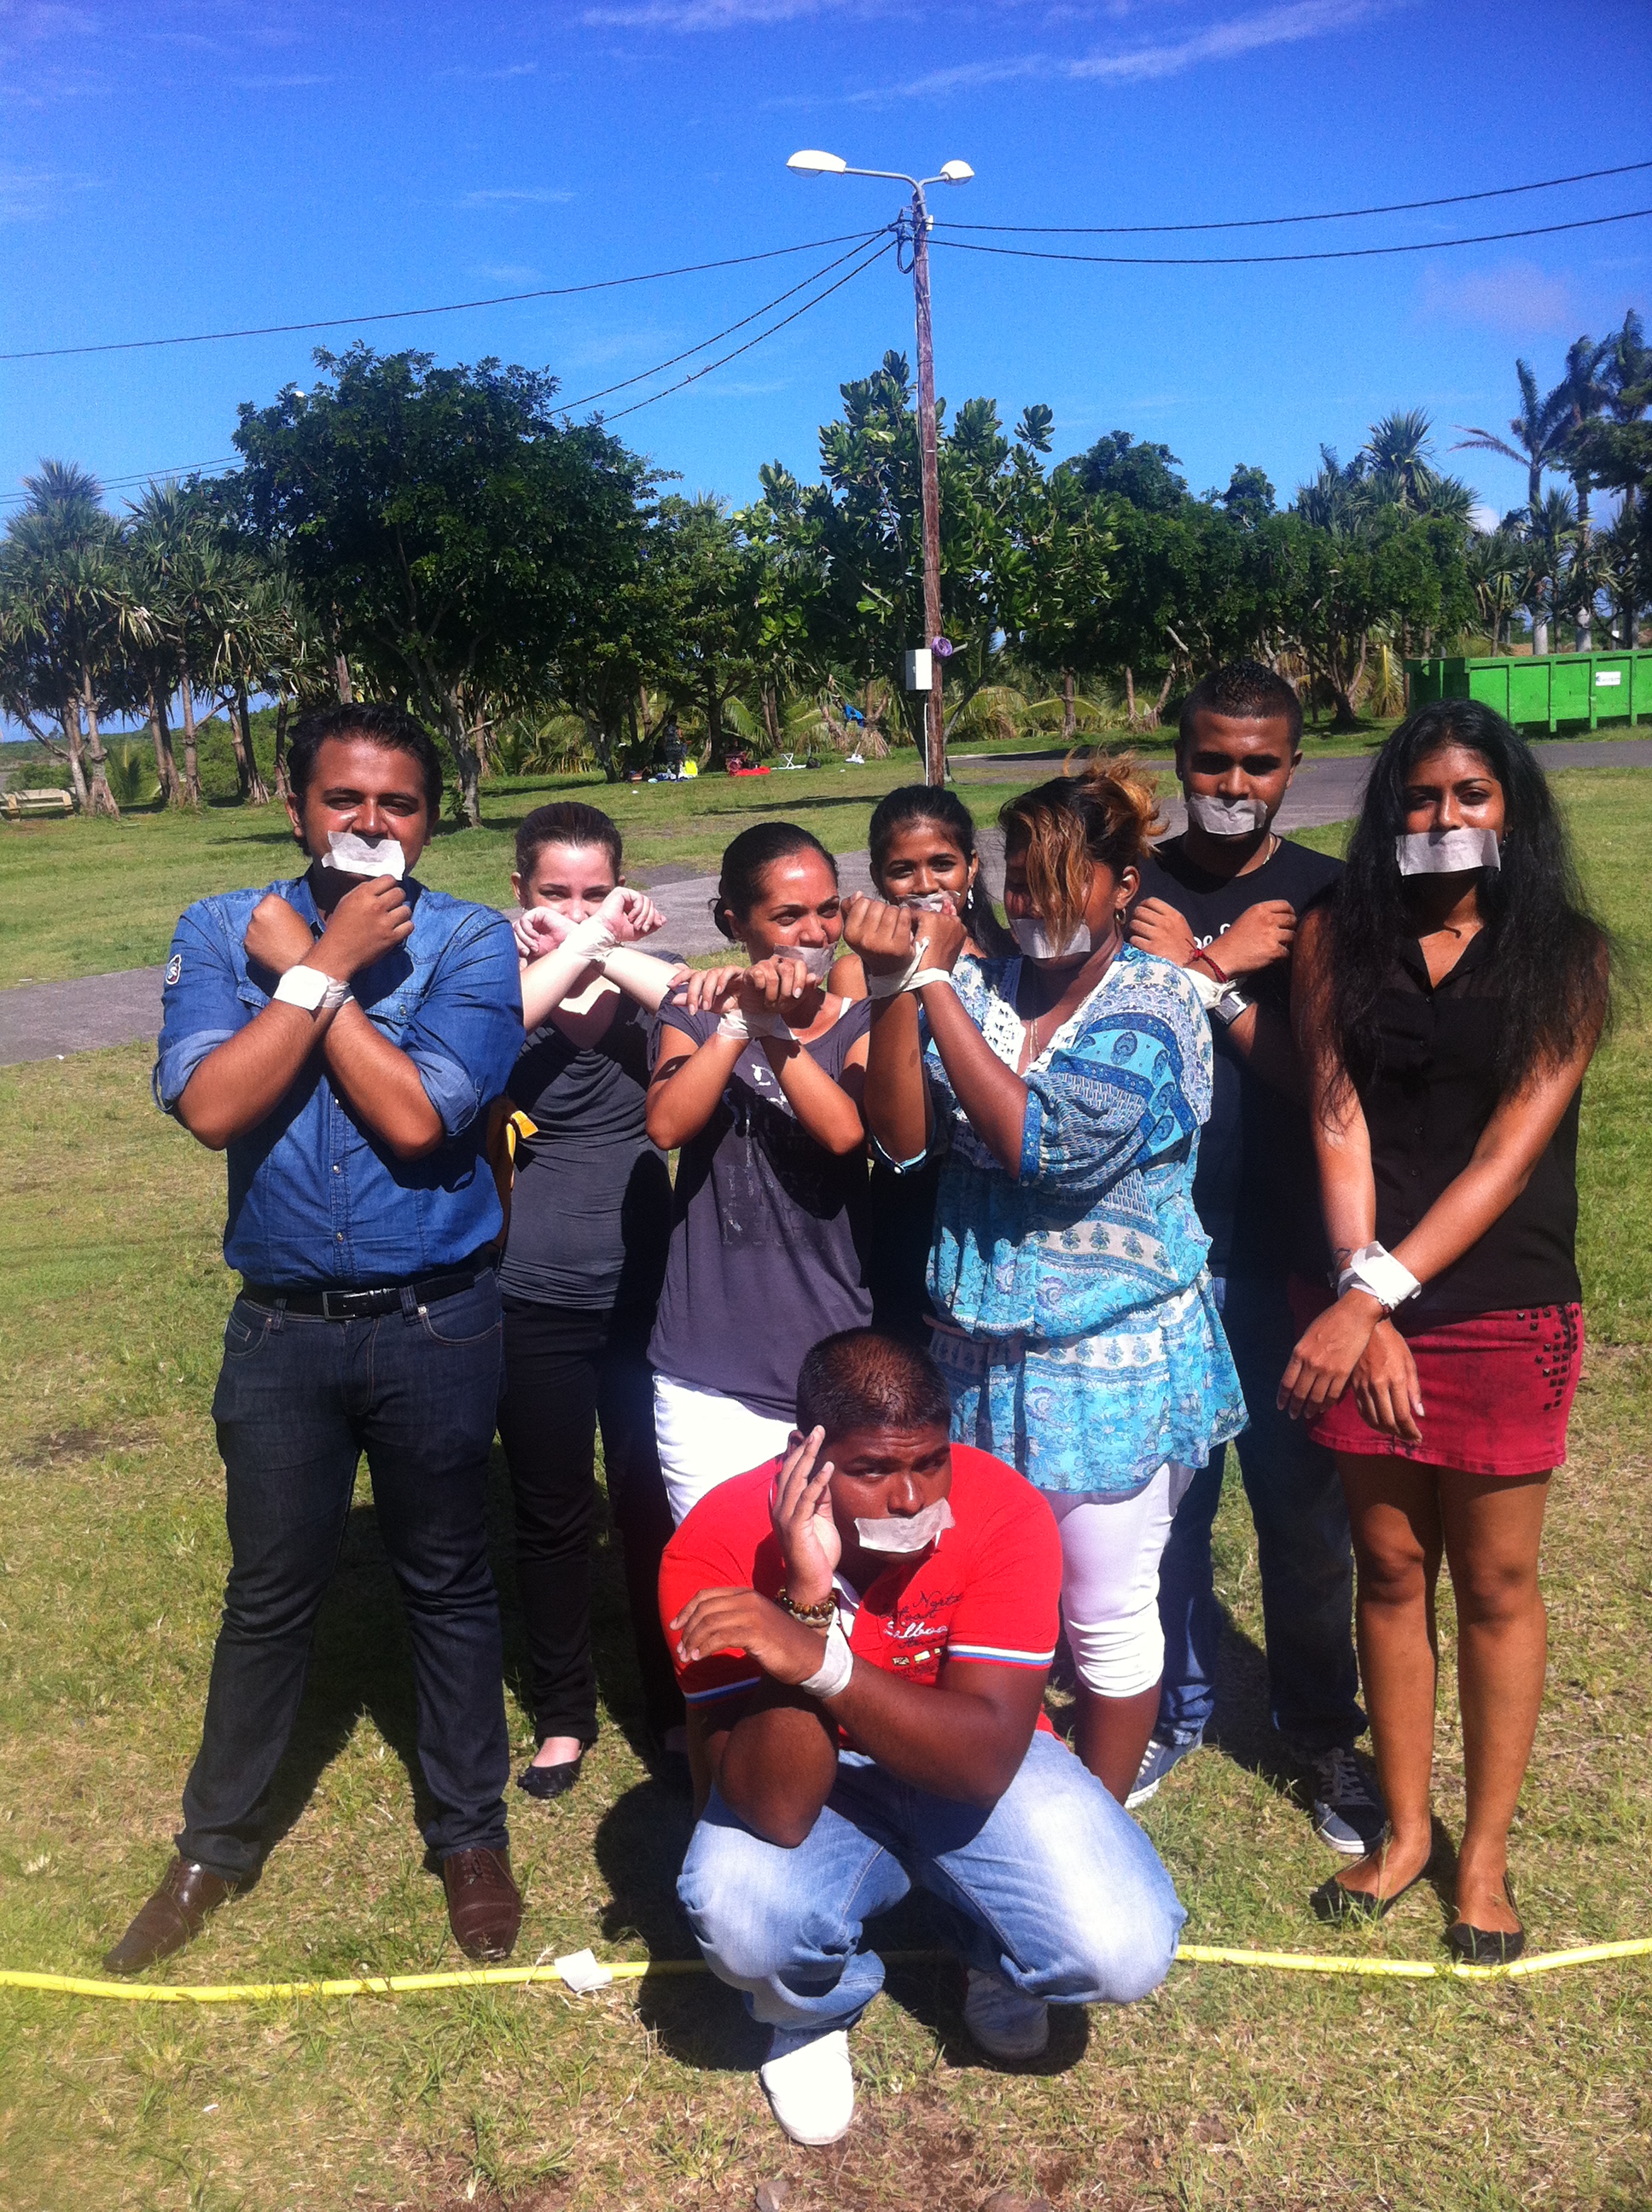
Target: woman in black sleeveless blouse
(1449,1000)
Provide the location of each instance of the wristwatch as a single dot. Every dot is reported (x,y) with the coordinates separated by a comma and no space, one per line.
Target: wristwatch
(309,989)
(1223,1001)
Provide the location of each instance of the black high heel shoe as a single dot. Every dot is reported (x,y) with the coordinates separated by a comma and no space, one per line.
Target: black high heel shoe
(1487,1947)
(547,1782)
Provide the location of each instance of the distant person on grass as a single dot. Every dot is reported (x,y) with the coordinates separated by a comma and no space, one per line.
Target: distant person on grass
(1223,901)
(863,1626)
(341,1037)
(1448,1001)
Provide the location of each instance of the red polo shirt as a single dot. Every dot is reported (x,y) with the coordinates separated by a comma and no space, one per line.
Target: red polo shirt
(986,1592)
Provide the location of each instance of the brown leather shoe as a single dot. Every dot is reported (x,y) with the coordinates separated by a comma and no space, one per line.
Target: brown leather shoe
(176,1911)
(484,1905)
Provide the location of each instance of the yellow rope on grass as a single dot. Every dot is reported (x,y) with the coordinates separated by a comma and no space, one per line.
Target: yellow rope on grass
(550,1974)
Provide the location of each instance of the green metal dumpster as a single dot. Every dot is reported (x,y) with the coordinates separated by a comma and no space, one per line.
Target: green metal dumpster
(1547,688)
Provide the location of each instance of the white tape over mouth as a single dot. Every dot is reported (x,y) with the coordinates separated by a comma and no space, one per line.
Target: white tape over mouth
(817,959)
(1219,816)
(907,1532)
(364,856)
(1036,941)
(1446,852)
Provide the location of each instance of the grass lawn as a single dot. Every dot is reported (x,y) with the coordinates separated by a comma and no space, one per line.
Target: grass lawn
(1226,2089)
(81,898)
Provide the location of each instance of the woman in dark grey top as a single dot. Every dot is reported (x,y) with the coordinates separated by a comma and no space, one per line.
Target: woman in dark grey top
(585,1252)
(757,1078)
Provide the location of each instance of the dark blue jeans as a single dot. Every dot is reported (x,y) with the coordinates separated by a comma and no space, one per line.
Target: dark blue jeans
(1302,1547)
(298,1400)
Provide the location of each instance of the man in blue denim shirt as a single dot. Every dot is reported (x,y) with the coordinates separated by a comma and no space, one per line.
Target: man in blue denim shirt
(341,1037)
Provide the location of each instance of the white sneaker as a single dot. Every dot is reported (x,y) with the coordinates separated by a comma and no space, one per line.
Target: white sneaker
(1005,2023)
(811,2090)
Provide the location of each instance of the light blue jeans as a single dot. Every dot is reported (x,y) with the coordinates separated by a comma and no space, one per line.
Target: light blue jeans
(1055,1888)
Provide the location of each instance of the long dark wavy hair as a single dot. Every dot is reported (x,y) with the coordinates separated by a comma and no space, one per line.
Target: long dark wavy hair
(1552,955)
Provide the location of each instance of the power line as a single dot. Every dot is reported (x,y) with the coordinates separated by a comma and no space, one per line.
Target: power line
(448,308)
(148,475)
(1274,221)
(660,366)
(1261,260)
(694,376)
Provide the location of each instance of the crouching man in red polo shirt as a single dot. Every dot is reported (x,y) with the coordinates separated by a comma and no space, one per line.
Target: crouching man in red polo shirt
(863,1629)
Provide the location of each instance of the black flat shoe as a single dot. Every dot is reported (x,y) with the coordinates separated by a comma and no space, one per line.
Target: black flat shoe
(547,1782)
(1333,1901)
(1483,1947)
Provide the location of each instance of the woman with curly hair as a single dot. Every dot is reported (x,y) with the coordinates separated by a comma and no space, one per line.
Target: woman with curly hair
(1448,1002)
(1064,1087)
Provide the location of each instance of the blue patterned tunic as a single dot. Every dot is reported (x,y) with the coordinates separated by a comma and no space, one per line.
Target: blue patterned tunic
(1081,1342)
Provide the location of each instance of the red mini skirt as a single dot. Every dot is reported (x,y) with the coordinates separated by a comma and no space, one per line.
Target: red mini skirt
(1497,1391)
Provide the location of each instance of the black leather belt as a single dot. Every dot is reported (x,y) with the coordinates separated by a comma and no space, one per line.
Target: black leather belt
(361,1305)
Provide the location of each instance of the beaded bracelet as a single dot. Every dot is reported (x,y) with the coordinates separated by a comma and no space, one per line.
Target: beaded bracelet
(812,1616)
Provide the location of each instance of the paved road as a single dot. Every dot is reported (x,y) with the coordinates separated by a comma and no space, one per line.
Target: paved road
(47,1021)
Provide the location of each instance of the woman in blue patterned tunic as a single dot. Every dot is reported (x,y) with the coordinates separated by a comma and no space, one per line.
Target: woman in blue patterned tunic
(1065,1088)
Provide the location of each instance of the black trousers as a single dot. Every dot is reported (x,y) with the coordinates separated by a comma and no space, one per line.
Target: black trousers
(567,1369)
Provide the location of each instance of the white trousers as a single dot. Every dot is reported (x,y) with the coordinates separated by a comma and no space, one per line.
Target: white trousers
(1110,1551)
(704,1437)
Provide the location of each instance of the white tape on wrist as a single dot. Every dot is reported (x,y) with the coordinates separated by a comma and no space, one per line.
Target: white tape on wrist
(593,938)
(1374,1269)
(835,1669)
(735,1022)
(911,978)
(309,989)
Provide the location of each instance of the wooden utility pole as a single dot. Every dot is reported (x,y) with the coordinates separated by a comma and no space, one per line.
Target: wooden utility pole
(929,469)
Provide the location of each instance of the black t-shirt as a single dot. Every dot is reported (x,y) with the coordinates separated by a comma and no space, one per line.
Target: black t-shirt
(591,1213)
(1433,1090)
(1255,1191)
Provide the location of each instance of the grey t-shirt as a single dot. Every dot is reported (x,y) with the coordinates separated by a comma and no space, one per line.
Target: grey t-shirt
(591,1207)
(768,1232)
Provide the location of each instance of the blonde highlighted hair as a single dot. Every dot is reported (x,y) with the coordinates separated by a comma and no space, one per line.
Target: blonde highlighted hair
(1106,812)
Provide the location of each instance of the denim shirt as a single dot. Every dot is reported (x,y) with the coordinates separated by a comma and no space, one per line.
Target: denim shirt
(1099,1221)
(314,1198)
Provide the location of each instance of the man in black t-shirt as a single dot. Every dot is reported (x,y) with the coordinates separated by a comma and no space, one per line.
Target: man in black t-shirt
(1223,900)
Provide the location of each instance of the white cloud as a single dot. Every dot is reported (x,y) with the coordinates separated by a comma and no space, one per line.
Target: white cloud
(30,195)
(514,195)
(712,15)
(277,83)
(1290,24)
(1518,297)
(508,272)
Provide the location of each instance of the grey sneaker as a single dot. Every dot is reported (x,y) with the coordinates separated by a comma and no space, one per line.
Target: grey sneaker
(1349,1814)
(1163,1753)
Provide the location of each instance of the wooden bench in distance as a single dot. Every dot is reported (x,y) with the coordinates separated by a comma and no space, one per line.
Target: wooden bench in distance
(18,804)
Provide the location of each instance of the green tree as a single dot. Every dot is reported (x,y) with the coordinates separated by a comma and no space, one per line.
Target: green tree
(848,550)
(1117,468)
(1536,431)
(1581,394)
(66,610)
(454,529)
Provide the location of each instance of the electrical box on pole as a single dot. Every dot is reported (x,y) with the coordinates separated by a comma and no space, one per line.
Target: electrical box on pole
(920,669)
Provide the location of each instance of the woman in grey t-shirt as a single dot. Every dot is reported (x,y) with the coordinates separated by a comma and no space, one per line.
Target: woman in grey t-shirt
(757,1078)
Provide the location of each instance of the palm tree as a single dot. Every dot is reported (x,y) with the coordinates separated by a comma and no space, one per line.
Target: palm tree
(1400,458)
(1536,430)
(1496,570)
(1623,569)
(1581,393)
(1551,541)
(69,611)
(178,552)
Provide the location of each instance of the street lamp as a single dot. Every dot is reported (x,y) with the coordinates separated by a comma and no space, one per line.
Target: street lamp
(918,221)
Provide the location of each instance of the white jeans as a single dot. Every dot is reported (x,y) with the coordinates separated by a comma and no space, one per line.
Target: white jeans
(704,1437)
(1110,1551)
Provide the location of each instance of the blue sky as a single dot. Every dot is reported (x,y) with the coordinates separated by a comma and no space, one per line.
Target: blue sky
(187,165)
